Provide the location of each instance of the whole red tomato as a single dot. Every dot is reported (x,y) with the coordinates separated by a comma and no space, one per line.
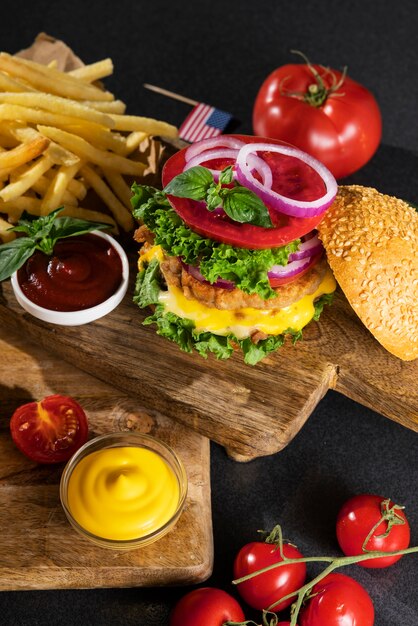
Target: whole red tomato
(49,431)
(206,606)
(338,600)
(360,515)
(262,591)
(322,112)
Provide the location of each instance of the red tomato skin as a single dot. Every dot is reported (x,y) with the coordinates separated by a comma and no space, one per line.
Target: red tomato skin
(343,133)
(265,589)
(49,431)
(355,520)
(339,601)
(205,223)
(206,606)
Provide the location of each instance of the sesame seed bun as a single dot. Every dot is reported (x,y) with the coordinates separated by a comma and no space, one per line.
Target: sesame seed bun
(371,242)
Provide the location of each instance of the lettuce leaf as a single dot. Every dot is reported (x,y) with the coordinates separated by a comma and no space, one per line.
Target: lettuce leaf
(246,268)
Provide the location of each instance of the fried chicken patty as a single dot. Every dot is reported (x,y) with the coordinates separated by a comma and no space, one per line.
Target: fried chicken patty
(231,299)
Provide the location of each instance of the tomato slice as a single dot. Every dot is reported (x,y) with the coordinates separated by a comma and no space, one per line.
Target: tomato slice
(49,431)
(290,176)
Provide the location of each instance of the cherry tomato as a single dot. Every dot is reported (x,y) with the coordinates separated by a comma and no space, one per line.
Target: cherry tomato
(359,515)
(49,431)
(338,600)
(206,606)
(294,177)
(343,131)
(262,591)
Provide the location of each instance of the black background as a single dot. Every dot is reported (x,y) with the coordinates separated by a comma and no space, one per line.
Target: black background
(220,52)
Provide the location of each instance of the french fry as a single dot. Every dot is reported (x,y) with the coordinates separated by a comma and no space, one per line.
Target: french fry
(33,206)
(94,71)
(77,187)
(90,216)
(41,187)
(51,80)
(144,124)
(26,134)
(121,214)
(86,151)
(7,83)
(23,153)
(26,180)
(119,186)
(133,141)
(101,137)
(54,104)
(61,135)
(14,208)
(54,196)
(5,234)
(115,106)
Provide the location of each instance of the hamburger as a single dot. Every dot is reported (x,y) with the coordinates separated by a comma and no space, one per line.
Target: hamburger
(371,240)
(230,255)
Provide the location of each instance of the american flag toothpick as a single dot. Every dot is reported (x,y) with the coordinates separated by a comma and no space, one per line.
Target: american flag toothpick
(202,122)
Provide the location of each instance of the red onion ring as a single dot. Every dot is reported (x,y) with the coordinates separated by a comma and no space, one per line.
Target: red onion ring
(276,201)
(211,155)
(213,142)
(309,247)
(260,166)
(291,269)
(254,161)
(220,283)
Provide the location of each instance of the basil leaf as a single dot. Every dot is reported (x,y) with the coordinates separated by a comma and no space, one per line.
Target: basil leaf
(244,206)
(226,176)
(14,254)
(192,183)
(213,199)
(70,226)
(37,227)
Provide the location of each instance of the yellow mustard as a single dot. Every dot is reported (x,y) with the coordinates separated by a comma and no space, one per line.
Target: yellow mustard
(122,493)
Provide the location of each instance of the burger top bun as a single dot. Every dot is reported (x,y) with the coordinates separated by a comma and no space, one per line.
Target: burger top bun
(371,242)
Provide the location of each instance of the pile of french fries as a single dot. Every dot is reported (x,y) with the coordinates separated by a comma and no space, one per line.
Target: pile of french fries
(62,134)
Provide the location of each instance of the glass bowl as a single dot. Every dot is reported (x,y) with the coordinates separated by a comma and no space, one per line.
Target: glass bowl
(77,318)
(126,439)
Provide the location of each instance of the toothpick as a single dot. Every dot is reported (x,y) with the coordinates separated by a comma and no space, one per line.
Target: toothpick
(170,94)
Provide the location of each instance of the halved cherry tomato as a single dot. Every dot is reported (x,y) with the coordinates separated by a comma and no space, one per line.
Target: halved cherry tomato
(296,177)
(206,606)
(263,590)
(338,600)
(356,519)
(342,129)
(49,431)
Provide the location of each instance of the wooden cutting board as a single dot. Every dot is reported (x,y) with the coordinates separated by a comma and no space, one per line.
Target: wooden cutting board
(38,547)
(252,411)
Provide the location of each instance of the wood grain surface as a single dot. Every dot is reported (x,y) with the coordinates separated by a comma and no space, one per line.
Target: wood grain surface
(38,547)
(252,411)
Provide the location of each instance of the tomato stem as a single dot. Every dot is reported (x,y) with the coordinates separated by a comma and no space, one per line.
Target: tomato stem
(388,514)
(334,563)
(317,92)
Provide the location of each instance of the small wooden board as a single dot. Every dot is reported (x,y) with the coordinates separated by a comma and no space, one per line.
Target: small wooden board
(252,411)
(38,547)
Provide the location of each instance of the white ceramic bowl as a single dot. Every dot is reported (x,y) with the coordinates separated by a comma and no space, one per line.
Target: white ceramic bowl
(76,318)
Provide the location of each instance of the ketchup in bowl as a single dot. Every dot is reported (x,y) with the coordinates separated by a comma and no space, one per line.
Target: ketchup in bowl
(84,279)
(83,272)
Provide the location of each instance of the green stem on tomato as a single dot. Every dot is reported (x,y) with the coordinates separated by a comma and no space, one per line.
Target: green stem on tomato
(317,92)
(390,516)
(335,563)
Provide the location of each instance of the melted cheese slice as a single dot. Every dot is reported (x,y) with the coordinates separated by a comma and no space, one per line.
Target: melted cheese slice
(241,322)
